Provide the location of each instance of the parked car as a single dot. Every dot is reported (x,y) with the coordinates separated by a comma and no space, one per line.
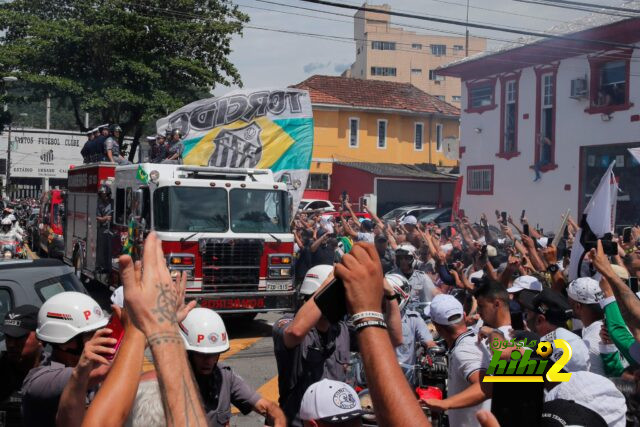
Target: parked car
(441,216)
(401,212)
(310,205)
(33,281)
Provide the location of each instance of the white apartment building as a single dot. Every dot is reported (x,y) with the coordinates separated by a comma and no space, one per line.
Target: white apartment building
(386,52)
(568,108)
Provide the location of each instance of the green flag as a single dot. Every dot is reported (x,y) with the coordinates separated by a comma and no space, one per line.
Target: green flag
(142,175)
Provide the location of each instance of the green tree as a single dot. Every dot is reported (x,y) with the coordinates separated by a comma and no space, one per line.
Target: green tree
(126,62)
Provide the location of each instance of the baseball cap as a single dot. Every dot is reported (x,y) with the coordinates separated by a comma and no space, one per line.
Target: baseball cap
(367,224)
(381,238)
(585,290)
(620,271)
(117,297)
(551,304)
(20,321)
(529,283)
(330,401)
(579,352)
(409,220)
(446,310)
(562,412)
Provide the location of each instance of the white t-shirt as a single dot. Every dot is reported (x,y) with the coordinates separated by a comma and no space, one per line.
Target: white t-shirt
(465,358)
(591,337)
(596,393)
(365,237)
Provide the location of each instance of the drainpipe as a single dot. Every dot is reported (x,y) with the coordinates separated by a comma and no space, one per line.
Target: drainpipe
(430,126)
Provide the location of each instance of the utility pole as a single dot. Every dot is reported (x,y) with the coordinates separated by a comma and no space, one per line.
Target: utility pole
(7,184)
(48,111)
(466,36)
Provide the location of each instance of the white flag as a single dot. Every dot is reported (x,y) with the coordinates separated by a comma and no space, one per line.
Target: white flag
(635,152)
(601,217)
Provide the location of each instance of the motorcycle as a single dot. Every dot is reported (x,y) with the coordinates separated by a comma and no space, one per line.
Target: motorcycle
(12,249)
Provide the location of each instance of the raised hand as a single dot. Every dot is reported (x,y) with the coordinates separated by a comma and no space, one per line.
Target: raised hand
(361,273)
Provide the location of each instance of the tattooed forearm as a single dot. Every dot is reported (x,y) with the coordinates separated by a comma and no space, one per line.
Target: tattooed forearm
(169,337)
(166,303)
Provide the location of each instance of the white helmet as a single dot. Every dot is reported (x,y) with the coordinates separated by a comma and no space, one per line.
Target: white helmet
(314,278)
(400,284)
(6,221)
(407,248)
(12,218)
(68,314)
(203,331)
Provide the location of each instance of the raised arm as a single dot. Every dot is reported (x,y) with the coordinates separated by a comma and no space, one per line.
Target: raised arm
(153,304)
(393,400)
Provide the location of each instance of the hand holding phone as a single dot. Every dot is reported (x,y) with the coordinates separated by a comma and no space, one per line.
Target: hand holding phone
(331,301)
(117,332)
(626,235)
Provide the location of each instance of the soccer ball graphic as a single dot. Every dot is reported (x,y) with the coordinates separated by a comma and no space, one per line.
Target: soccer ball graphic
(544,349)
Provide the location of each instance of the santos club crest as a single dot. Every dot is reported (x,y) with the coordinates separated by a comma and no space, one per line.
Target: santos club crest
(237,148)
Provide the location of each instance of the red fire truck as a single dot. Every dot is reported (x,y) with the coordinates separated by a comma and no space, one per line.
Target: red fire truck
(47,237)
(227,228)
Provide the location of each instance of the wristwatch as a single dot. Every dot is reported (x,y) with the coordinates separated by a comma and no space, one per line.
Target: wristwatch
(553,268)
(392,297)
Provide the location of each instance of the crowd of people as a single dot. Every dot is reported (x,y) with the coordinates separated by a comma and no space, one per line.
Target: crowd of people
(478,290)
(103,145)
(12,232)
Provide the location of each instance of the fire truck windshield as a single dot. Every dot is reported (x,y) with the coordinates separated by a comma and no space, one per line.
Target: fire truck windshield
(196,209)
(258,211)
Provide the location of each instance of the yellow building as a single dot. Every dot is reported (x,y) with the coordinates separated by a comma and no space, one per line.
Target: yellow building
(358,120)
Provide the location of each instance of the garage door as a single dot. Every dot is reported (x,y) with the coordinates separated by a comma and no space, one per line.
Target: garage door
(395,193)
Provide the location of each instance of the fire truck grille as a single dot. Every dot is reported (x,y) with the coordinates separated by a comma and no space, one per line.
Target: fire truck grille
(231,265)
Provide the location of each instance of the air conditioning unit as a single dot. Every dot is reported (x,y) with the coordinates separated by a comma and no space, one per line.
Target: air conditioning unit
(579,88)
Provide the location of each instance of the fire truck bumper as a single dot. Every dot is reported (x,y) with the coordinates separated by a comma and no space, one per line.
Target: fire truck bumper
(245,302)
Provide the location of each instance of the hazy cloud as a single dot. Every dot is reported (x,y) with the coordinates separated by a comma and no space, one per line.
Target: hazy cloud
(315,66)
(339,68)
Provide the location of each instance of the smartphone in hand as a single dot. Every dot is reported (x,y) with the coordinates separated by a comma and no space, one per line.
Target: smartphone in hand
(503,215)
(117,332)
(522,216)
(626,235)
(525,229)
(332,301)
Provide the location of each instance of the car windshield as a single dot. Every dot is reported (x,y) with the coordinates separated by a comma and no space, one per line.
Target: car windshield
(173,209)
(259,211)
(394,213)
(55,285)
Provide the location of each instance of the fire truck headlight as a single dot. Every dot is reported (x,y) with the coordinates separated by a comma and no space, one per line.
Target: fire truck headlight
(276,272)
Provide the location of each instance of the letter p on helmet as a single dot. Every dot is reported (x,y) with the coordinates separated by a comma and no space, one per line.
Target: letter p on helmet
(87,314)
(199,338)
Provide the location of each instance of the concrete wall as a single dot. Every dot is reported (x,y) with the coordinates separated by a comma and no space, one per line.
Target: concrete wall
(559,189)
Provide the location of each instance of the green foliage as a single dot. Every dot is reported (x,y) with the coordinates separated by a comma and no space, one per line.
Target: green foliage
(122,61)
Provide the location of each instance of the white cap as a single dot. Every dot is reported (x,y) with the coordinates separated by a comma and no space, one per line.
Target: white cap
(314,278)
(491,251)
(409,220)
(476,275)
(579,352)
(620,271)
(6,221)
(407,247)
(585,290)
(203,331)
(330,401)
(117,297)
(446,310)
(68,314)
(595,392)
(543,241)
(529,283)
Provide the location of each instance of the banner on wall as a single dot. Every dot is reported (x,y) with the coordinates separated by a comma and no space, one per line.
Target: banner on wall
(259,129)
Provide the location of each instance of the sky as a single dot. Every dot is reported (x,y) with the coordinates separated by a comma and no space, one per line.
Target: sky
(272,53)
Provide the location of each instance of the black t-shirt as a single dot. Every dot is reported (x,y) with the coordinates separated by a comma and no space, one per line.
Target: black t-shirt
(325,254)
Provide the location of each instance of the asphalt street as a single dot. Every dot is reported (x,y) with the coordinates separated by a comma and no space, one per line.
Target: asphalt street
(250,356)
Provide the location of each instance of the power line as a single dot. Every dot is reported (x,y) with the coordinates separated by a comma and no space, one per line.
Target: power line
(592,5)
(499,11)
(576,50)
(579,8)
(470,24)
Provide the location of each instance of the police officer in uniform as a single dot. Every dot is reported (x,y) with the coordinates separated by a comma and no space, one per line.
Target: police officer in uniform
(421,285)
(159,149)
(308,348)
(205,338)
(66,321)
(24,352)
(104,214)
(112,147)
(175,148)
(87,147)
